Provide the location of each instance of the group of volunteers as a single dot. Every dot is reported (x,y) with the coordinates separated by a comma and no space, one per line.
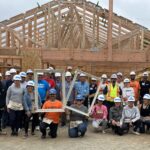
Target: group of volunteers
(123,104)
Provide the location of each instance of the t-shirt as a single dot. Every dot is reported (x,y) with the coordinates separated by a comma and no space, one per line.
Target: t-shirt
(99,112)
(127,92)
(136,86)
(52,105)
(145,87)
(51,82)
(43,87)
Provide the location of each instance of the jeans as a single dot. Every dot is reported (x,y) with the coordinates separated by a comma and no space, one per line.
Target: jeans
(53,129)
(15,119)
(78,131)
(35,121)
(1,114)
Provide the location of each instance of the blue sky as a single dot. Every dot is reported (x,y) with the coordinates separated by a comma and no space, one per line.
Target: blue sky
(136,10)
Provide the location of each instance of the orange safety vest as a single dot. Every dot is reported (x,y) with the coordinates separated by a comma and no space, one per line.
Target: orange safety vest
(112,92)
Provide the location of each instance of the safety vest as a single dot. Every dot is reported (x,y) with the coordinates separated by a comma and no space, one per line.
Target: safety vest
(112,92)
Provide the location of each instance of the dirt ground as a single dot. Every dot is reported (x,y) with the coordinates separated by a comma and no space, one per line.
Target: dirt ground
(91,141)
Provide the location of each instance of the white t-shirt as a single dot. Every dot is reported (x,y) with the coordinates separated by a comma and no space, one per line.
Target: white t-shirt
(127,92)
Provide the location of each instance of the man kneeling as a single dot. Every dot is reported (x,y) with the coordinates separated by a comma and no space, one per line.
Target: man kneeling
(51,119)
(78,122)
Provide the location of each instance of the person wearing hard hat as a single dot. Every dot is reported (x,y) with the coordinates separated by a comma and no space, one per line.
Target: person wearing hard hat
(77,122)
(23,76)
(103,83)
(48,76)
(43,87)
(58,87)
(145,112)
(93,89)
(131,116)
(115,115)
(135,85)
(13,72)
(120,80)
(51,119)
(14,103)
(127,91)
(145,86)
(82,88)
(2,100)
(29,74)
(68,82)
(99,114)
(69,68)
(112,90)
(29,107)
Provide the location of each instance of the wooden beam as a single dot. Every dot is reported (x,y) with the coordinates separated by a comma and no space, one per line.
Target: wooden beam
(109,34)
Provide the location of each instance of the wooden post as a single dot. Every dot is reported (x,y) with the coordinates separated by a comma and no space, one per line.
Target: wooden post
(83,25)
(29,32)
(0,37)
(35,28)
(7,38)
(59,25)
(109,34)
(23,31)
(98,29)
(142,39)
(119,35)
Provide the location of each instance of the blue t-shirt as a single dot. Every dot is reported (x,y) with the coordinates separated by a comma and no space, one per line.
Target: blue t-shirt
(43,87)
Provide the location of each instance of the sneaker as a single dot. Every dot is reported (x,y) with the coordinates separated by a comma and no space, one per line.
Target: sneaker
(37,128)
(103,131)
(12,133)
(135,132)
(32,133)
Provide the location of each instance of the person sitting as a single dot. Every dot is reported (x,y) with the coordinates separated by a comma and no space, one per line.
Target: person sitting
(131,116)
(77,122)
(51,119)
(115,115)
(99,114)
(145,112)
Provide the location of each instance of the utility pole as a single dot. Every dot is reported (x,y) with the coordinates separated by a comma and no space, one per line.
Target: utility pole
(109,34)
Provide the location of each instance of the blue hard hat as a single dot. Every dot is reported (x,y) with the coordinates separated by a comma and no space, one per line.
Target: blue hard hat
(79,97)
(52,91)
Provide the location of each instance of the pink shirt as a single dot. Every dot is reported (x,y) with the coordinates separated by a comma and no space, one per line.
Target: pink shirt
(99,112)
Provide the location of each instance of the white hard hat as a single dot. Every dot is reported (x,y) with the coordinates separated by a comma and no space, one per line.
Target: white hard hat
(82,75)
(7,73)
(50,68)
(131,99)
(0,75)
(101,97)
(94,79)
(132,73)
(22,74)
(146,96)
(12,70)
(119,74)
(69,67)
(145,74)
(30,83)
(17,78)
(126,80)
(68,74)
(113,76)
(57,74)
(29,71)
(117,100)
(104,76)
(108,80)
(40,73)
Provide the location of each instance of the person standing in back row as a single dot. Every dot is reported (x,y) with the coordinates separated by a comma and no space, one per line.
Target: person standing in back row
(14,102)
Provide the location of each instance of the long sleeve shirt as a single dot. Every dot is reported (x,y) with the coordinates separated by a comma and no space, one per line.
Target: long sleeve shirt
(14,94)
(132,114)
(99,112)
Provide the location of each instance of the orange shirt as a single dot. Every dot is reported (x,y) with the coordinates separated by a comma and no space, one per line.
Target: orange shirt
(52,105)
(136,86)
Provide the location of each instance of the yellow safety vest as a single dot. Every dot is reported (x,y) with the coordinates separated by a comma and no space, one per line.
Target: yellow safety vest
(112,92)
